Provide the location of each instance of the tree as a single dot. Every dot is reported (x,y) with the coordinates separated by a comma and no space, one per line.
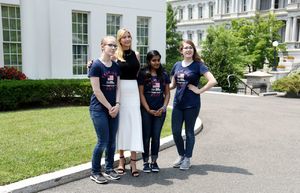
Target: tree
(223,55)
(257,35)
(173,39)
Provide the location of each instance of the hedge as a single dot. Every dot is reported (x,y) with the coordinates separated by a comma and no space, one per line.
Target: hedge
(16,94)
(289,84)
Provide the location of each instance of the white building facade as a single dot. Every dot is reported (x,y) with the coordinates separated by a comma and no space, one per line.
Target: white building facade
(195,16)
(56,38)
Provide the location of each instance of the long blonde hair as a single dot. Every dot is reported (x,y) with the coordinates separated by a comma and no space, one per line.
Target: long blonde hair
(120,51)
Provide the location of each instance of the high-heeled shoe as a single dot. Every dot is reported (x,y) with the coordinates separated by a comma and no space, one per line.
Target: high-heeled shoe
(134,173)
(121,169)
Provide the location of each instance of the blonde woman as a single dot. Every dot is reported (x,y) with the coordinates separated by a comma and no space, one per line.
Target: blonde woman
(129,136)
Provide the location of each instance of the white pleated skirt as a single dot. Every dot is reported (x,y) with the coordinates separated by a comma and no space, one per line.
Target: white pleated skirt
(129,135)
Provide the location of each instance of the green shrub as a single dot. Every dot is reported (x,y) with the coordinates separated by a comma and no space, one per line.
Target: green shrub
(289,84)
(19,94)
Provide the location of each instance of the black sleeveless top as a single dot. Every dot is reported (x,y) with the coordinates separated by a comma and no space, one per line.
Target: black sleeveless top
(129,69)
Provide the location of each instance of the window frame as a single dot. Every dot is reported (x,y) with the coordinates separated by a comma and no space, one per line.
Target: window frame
(80,48)
(12,58)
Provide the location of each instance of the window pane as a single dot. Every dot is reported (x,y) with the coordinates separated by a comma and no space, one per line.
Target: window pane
(6,48)
(12,12)
(13,36)
(5,35)
(19,60)
(13,24)
(5,11)
(6,59)
(19,38)
(13,48)
(5,23)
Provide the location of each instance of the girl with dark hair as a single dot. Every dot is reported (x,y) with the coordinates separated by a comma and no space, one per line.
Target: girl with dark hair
(154,92)
(186,75)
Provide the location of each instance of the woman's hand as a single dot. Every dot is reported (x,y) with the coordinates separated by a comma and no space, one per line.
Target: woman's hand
(193,88)
(89,64)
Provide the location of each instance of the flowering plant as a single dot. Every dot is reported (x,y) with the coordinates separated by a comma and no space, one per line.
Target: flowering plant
(11,73)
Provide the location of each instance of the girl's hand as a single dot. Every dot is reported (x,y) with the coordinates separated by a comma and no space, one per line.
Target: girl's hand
(151,112)
(159,112)
(194,89)
(113,112)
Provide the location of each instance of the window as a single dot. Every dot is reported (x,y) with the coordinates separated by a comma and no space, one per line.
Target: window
(190,36)
(244,5)
(180,14)
(200,36)
(200,12)
(190,12)
(113,23)
(227,6)
(11,26)
(265,4)
(143,38)
(80,42)
(211,11)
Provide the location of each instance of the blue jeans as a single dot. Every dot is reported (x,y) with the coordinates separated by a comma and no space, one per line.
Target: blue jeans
(189,117)
(151,130)
(106,129)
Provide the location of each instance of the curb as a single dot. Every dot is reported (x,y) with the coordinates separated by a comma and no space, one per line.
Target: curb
(64,176)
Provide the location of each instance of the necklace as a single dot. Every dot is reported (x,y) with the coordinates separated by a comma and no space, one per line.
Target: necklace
(127,54)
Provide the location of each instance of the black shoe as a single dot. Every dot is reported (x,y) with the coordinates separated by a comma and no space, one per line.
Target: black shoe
(154,167)
(146,168)
(98,178)
(111,175)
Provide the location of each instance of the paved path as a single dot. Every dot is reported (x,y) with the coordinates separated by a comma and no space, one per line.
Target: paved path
(248,145)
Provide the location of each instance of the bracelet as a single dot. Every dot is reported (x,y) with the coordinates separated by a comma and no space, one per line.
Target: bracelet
(118,103)
(164,108)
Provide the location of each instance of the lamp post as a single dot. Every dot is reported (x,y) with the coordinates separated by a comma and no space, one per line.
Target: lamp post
(275,44)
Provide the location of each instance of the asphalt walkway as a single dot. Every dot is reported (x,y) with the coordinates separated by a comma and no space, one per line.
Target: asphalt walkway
(248,144)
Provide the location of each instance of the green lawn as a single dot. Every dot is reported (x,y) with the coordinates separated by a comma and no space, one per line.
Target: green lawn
(34,142)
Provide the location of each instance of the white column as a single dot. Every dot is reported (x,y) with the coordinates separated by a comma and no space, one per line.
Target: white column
(273,4)
(233,6)
(289,1)
(237,6)
(221,7)
(254,7)
(294,34)
(287,29)
(217,7)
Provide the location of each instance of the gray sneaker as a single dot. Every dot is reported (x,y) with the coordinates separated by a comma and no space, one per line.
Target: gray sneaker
(178,162)
(98,178)
(186,164)
(111,175)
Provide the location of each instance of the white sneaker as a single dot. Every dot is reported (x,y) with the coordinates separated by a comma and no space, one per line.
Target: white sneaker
(186,164)
(178,162)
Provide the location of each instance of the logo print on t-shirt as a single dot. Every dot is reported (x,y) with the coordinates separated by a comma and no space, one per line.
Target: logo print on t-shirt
(155,91)
(180,79)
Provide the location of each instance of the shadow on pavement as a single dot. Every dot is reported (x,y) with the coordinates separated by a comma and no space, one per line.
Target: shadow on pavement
(166,176)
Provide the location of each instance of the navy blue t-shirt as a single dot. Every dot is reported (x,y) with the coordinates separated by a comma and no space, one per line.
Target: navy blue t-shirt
(108,77)
(184,97)
(154,88)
